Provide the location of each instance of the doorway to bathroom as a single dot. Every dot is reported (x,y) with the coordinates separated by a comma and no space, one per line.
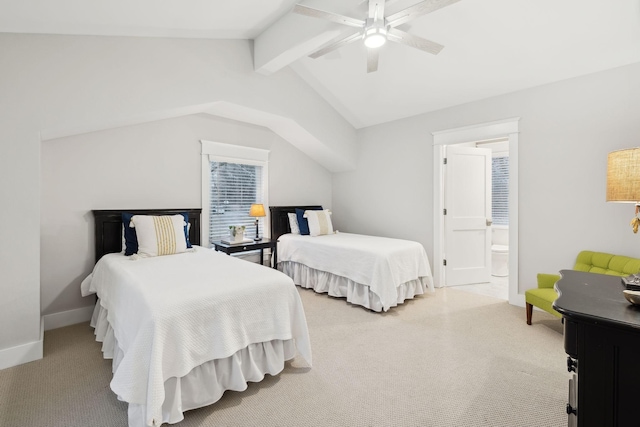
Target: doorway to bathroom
(498,284)
(476,195)
(501,139)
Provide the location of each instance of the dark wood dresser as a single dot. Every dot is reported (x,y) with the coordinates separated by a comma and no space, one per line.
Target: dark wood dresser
(602,339)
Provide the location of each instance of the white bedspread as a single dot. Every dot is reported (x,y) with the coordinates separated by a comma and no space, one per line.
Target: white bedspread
(173,313)
(381,263)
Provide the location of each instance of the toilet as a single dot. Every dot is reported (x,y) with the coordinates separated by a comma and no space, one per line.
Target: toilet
(499,260)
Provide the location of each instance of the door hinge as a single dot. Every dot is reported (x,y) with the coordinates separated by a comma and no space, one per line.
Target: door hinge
(445,161)
(444,262)
(444,211)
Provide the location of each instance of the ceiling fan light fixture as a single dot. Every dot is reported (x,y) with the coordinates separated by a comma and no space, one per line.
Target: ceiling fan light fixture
(377,28)
(375,37)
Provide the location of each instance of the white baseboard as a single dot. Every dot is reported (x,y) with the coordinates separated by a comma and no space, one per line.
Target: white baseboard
(518,300)
(23,353)
(66,318)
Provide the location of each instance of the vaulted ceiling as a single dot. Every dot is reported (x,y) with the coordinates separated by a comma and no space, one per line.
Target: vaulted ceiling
(492,47)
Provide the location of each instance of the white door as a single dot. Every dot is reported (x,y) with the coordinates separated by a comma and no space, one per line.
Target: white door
(467,222)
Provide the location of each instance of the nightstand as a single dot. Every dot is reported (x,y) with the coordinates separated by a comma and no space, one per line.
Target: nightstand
(232,248)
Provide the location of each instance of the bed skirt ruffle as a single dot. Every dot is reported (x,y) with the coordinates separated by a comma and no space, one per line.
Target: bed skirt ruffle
(205,384)
(342,287)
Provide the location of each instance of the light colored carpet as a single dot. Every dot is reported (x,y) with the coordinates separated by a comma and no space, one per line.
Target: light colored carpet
(450,358)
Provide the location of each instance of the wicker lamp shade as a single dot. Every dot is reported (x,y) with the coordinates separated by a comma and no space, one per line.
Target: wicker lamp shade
(623,176)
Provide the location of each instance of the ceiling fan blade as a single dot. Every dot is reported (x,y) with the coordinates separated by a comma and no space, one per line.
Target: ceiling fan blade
(387,2)
(417,10)
(401,37)
(376,9)
(336,44)
(372,59)
(330,16)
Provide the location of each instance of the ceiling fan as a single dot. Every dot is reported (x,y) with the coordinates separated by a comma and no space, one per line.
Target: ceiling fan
(377,28)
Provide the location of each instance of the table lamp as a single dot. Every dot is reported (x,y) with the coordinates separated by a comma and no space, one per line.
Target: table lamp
(623,179)
(257,210)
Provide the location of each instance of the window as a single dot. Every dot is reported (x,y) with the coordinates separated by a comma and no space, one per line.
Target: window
(233,178)
(500,190)
(234,188)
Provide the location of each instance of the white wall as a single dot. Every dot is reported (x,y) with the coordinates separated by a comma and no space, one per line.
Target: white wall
(500,235)
(152,165)
(566,131)
(54,84)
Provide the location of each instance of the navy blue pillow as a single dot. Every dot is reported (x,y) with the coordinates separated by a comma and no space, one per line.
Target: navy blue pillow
(303,224)
(186,228)
(131,238)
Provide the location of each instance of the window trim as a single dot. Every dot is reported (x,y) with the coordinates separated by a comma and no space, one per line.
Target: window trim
(221,152)
(499,221)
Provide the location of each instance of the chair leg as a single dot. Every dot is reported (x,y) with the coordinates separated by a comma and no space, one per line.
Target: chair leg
(529,313)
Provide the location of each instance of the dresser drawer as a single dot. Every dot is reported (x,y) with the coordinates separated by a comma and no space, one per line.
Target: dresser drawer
(572,405)
(571,338)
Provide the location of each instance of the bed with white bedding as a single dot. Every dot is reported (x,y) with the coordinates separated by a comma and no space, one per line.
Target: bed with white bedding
(183,328)
(375,272)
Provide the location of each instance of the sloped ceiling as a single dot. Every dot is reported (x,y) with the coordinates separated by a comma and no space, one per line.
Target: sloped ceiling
(492,47)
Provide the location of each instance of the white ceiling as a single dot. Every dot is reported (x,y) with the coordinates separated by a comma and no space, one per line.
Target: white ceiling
(492,47)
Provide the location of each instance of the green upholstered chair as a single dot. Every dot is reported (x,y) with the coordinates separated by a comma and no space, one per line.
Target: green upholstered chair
(593,262)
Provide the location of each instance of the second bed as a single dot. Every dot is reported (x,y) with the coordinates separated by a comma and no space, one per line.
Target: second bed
(375,272)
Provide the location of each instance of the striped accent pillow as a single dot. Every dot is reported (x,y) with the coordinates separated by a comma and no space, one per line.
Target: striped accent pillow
(160,235)
(319,222)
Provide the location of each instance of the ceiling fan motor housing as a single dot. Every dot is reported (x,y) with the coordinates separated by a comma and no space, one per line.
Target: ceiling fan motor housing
(375,33)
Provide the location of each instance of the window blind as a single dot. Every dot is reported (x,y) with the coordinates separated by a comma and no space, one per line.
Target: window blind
(234,188)
(500,190)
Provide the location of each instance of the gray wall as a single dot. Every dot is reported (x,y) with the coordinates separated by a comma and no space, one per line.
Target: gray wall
(566,132)
(152,165)
(65,85)
(54,84)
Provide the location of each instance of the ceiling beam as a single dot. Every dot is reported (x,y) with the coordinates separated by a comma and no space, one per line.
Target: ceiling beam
(294,36)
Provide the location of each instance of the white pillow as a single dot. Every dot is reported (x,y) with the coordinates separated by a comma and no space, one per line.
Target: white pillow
(319,222)
(124,241)
(293,223)
(159,235)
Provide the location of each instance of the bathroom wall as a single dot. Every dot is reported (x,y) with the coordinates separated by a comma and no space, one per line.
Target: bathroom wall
(500,235)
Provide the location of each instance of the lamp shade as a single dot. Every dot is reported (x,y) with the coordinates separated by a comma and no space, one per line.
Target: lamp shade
(623,176)
(257,209)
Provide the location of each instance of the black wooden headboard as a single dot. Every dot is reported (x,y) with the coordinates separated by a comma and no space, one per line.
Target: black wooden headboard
(280,219)
(108,227)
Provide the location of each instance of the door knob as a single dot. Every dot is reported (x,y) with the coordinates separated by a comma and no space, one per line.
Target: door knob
(489,222)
